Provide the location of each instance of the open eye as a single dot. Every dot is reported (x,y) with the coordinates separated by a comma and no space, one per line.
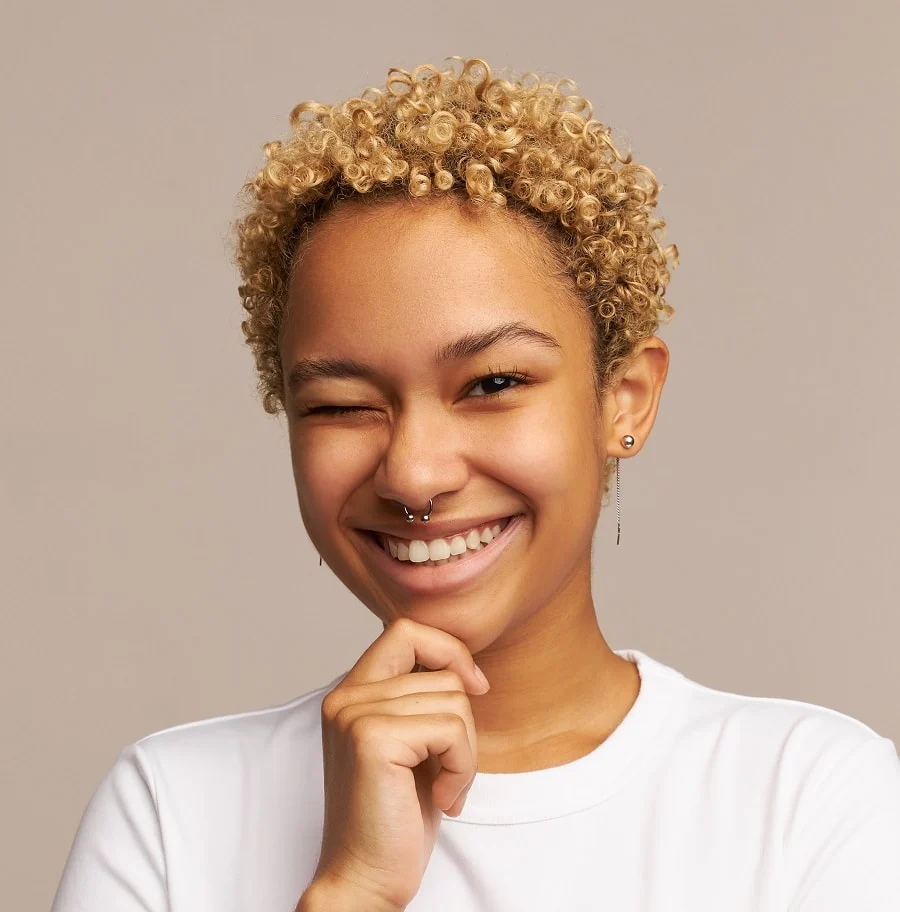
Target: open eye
(492,382)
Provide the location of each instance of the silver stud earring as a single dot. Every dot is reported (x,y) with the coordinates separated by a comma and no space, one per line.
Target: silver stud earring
(628,443)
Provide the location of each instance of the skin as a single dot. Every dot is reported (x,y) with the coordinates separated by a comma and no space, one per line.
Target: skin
(388,286)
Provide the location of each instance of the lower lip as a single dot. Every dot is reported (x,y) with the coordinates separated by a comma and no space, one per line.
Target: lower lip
(446,577)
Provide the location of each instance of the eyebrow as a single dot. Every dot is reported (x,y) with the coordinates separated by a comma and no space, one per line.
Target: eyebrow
(466,346)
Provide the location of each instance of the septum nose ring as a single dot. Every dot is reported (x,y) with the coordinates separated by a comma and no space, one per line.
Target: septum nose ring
(425,516)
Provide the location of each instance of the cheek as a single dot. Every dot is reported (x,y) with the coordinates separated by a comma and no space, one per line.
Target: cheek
(327,466)
(544,454)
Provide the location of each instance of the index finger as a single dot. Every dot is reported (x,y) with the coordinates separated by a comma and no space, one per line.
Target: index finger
(406,643)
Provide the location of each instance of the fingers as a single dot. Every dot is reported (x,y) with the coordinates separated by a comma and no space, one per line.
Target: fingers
(405,643)
(374,691)
(442,680)
(433,703)
(393,717)
(408,740)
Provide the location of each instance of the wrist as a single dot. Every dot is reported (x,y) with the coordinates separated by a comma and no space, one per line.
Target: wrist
(326,894)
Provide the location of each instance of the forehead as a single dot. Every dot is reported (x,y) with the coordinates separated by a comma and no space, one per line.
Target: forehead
(392,275)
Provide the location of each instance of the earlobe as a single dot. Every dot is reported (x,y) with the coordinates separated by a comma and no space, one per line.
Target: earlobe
(636,398)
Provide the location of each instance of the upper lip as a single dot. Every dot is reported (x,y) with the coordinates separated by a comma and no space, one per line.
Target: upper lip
(435,529)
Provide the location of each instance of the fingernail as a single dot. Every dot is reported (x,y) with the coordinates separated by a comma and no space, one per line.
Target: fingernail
(481,677)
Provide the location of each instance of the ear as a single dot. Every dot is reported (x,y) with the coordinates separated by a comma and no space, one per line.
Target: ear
(630,406)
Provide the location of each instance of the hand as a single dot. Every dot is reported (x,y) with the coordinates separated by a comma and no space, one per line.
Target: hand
(398,747)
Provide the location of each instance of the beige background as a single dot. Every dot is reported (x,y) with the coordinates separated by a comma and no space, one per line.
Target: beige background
(154,566)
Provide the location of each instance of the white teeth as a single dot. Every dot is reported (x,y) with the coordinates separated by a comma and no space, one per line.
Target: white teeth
(418,551)
(473,540)
(438,549)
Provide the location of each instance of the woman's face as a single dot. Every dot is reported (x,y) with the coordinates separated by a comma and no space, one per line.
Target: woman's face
(407,297)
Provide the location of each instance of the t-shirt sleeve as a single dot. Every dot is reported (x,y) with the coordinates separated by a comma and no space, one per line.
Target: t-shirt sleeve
(845,852)
(116,861)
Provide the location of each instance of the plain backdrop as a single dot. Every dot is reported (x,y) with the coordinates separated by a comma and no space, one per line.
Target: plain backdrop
(153,563)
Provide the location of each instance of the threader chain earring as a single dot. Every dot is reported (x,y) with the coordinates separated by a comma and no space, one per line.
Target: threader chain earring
(627,442)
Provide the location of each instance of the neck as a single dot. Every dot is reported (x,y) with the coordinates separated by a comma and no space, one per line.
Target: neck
(557,689)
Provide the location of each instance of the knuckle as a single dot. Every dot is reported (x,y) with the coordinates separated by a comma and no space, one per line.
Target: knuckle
(450,680)
(454,721)
(332,705)
(460,703)
(403,627)
(345,717)
(363,729)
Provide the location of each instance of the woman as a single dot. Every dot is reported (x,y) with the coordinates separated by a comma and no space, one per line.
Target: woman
(453,287)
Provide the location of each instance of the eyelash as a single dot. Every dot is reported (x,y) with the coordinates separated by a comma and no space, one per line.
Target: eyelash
(339,410)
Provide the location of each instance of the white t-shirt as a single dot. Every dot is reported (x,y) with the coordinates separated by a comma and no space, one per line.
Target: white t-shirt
(701,800)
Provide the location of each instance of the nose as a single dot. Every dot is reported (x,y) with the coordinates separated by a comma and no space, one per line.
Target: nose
(422,459)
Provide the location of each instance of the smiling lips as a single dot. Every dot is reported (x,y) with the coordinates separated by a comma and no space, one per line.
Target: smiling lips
(439,551)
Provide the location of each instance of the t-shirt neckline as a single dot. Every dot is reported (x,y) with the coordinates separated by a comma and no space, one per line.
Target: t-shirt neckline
(527,797)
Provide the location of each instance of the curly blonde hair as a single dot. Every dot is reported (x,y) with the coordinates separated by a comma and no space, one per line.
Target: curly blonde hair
(520,145)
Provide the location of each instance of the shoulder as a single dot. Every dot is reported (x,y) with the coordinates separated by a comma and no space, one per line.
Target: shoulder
(229,751)
(819,788)
(195,791)
(796,741)
(812,787)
